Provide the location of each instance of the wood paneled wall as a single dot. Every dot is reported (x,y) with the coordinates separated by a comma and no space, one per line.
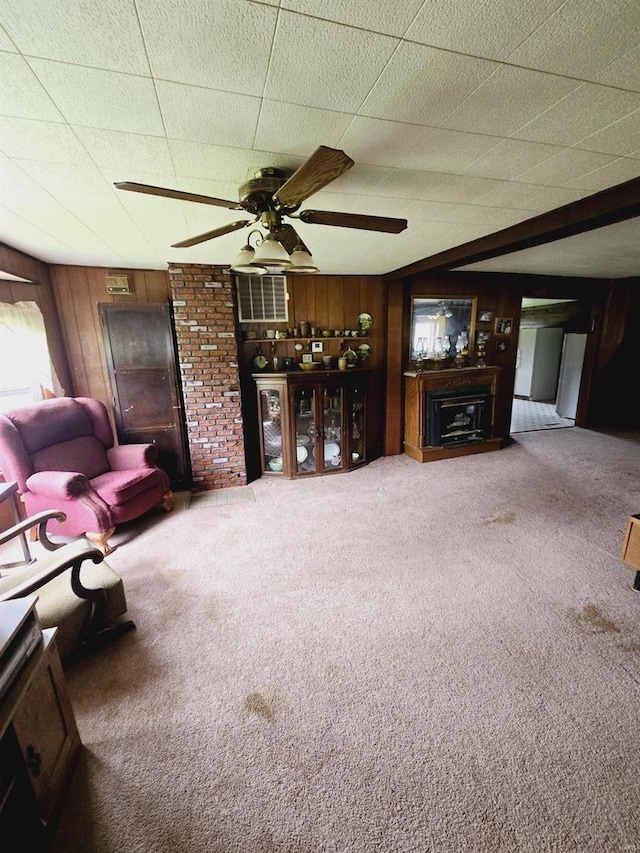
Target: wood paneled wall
(77,292)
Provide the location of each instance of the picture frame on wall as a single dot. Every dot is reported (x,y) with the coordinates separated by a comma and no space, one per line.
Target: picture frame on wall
(503,325)
(503,345)
(485,316)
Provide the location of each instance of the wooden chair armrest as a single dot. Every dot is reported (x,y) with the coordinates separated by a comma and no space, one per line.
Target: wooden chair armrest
(69,556)
(40,521)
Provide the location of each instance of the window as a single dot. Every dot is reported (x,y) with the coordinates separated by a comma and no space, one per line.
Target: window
(262,298)
(26,372)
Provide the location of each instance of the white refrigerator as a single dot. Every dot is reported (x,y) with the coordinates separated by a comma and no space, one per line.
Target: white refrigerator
(538,363)
(570,375)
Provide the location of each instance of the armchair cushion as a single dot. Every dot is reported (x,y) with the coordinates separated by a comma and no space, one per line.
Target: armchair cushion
(84,454)
(119,487)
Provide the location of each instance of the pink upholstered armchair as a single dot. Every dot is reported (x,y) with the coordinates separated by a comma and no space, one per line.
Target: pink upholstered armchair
(61,453)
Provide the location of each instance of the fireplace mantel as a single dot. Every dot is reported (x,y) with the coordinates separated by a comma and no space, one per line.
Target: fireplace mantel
(426,390)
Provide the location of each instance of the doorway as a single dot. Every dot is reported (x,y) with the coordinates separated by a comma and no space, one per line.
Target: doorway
(551,343)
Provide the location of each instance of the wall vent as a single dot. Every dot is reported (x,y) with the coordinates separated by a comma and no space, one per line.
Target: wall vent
(262,298)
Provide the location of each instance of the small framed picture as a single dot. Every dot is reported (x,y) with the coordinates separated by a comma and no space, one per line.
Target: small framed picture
(503,345)
(483,337)
(504,325)
(317,346)
(485,316)
(307,358)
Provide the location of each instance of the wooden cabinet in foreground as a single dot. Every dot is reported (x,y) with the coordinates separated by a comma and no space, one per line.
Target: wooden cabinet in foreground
(39,745)
(312,422)
(450,412)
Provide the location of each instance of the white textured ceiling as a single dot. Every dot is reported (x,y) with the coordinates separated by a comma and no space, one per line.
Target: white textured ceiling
(463,117)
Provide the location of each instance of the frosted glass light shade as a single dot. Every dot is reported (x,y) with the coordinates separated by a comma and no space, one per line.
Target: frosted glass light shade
(301,261)
(244,262)
(271,253)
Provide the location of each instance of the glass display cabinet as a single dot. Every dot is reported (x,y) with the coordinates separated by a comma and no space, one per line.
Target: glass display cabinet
(313,422)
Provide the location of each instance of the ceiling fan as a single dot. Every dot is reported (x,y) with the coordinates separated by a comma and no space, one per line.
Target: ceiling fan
(273,194)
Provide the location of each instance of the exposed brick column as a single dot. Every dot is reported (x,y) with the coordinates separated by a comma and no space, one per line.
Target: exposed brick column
(204,311)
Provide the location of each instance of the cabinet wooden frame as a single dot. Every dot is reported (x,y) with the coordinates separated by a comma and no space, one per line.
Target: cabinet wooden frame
(351,384)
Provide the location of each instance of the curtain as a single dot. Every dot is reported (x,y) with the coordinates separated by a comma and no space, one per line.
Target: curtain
(26,372)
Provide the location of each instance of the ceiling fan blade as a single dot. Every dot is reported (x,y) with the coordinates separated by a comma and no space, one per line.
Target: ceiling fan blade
(353,220)
(209,235)
(322,167)
(289,238)
(181,196)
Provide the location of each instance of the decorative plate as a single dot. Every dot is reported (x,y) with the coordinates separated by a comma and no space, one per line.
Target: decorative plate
(364,323)
(364,351)
(260,362)
(331,449)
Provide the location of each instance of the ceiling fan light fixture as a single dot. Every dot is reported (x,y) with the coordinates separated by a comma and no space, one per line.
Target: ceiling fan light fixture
(301,261)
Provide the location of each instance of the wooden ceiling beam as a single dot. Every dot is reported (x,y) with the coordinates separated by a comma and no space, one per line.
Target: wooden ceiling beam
(604,208)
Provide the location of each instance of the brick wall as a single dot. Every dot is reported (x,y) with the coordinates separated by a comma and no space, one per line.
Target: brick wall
(203,304)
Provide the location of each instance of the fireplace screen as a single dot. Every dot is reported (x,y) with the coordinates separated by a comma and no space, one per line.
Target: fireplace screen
(457,419)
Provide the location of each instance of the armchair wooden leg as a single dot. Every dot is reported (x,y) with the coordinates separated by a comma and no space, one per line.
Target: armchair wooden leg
(100,540)
(166,502)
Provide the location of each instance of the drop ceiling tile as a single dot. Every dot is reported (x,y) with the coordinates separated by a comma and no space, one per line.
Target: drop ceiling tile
(507,100)
(128,151)
(564,167)
(321,64)
(530,197)
(359,180)
(622,137)
(449,151)
(377,142)
(510,157)
(472,214)
(54,177)
(616,172)
(23,96)
(49,215)
(582,37)
(381,17)
(405,183)
(212,162)
(206,115)
(297,130)
(104,215)
(587,110)
(421,85)
(484,28)
(462,188)
(6,43)
(91,33)
(96,98)
(229,42)
(22,235)
(40,140)
(623,72)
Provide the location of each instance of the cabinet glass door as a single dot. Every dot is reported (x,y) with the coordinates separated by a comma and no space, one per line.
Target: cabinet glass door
(332,408)
(270,419)
(304,404)
(357,426)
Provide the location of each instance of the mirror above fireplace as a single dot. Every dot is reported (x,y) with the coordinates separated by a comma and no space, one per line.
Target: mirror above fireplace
(437,322)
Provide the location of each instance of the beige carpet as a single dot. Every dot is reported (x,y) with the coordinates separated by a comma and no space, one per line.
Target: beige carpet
(439,658)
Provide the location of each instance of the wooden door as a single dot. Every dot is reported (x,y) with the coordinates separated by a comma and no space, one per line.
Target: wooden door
(141,360)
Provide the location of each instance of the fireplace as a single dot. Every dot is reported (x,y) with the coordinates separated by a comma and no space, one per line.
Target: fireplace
(450,412)
(457,419)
